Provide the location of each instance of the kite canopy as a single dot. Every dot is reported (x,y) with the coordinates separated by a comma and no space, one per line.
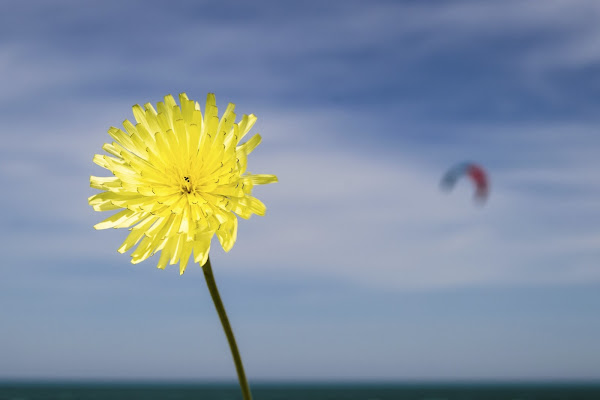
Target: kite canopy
(477,175)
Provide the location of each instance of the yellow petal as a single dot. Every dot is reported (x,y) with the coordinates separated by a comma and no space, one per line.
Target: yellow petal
(245,125)
(185,256)
(201,249)
(136,234)
(250,145)
(262,179)
(227,234)
(178,249)
(163,260)
(102,183)
(142,251)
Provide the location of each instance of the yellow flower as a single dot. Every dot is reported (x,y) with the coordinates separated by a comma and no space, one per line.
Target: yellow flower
(179,178)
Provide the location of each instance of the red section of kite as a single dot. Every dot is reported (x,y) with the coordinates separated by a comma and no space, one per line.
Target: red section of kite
(480,179)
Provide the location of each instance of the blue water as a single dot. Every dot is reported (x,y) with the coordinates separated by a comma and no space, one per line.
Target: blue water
(22,391)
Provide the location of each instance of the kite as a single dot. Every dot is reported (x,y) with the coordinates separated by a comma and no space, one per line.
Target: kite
(475,172)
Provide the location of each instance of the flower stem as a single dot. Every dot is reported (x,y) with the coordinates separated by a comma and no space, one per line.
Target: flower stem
(214,293)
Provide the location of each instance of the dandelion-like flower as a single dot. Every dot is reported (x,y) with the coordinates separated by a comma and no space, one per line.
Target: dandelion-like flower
(179,178)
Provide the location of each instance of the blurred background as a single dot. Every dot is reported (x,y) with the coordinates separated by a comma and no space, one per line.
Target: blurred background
(362,269)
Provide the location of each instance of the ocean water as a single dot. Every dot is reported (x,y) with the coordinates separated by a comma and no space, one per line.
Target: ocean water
(71,391)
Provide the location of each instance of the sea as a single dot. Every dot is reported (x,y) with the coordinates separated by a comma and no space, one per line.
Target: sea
(306,391)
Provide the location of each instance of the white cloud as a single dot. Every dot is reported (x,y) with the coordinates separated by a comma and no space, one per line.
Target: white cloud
(341,212)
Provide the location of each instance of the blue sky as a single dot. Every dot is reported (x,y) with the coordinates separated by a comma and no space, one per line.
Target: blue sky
(362,269)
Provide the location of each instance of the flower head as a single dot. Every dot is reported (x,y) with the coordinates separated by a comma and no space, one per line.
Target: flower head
(179,178)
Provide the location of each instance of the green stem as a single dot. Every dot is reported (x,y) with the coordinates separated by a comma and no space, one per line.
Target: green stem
(214,293)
